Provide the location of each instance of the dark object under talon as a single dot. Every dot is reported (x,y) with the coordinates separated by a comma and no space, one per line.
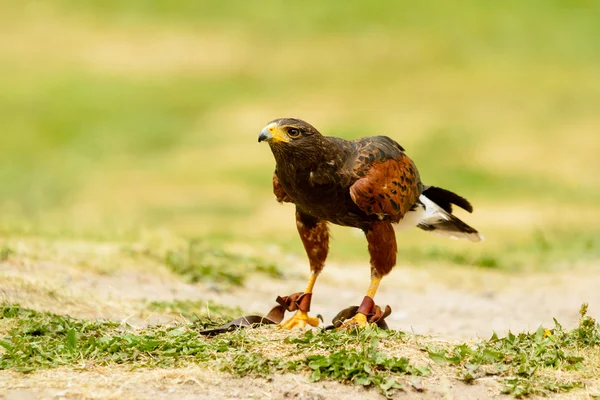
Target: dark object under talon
(368,307)
(293,302)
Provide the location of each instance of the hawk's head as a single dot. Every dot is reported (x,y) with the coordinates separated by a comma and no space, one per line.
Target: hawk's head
(287,130)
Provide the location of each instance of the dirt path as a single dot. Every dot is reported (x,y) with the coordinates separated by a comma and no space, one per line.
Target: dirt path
(444,302)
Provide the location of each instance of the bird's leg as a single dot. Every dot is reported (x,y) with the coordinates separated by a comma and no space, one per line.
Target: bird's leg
(367,303)
(315,237)
(382,248)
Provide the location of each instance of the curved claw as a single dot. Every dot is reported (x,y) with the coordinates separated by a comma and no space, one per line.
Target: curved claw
(299,320)
(358,321)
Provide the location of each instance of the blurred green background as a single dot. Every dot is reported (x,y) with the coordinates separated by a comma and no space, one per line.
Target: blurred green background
(119,117)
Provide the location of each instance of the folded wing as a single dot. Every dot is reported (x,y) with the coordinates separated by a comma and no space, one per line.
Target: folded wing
(389,183)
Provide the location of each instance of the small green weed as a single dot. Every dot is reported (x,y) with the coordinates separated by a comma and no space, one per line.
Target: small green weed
(586,334)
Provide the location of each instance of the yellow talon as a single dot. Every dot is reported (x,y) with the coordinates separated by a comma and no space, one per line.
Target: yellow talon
(358,321)
(299,320)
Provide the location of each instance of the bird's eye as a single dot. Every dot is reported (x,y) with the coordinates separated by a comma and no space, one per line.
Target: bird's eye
(293,133)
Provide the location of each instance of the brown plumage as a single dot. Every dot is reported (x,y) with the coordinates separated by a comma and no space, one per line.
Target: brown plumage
(367,183)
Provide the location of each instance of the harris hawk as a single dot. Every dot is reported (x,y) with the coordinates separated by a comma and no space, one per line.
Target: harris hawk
(367,183)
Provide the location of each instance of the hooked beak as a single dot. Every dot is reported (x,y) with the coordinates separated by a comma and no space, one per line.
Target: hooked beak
(273,133)
(265,135)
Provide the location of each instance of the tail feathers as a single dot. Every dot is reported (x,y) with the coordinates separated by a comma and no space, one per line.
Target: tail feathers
(439,220)
(445,198)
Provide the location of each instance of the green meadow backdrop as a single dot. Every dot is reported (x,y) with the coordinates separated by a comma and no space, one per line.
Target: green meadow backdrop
(122,120)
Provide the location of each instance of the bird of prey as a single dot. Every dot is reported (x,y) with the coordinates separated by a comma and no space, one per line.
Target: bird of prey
(368,183)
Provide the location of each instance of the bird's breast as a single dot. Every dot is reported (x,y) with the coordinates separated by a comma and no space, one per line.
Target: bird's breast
(311,187)
(322,194)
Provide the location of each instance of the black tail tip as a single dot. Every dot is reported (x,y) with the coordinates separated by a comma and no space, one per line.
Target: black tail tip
(445,198)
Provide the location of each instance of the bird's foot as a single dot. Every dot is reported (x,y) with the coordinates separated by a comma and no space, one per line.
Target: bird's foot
(358,321)
(360,316)
(299,320)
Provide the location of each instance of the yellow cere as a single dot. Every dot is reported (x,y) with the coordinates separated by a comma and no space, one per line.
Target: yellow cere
(278,133)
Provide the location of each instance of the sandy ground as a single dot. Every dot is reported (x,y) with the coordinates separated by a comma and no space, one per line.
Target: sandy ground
(197,383)
(447,303)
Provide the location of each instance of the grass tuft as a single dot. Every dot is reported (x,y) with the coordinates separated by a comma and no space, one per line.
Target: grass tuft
(199,262)
(199,312)
(5,252)
(368,367)
(350,357)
